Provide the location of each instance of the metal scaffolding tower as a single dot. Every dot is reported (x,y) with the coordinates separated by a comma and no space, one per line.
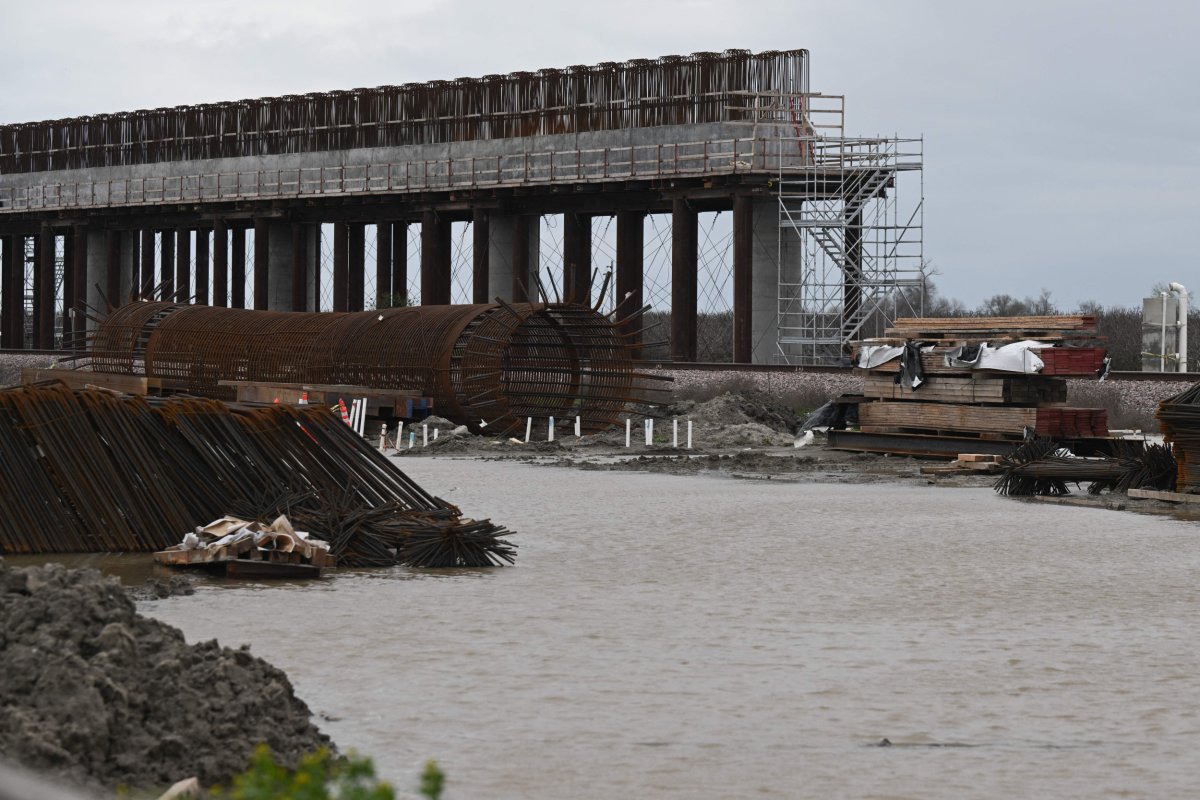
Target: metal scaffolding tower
(850,247)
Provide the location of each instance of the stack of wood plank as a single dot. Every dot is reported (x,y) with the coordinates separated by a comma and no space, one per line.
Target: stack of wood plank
(957,400)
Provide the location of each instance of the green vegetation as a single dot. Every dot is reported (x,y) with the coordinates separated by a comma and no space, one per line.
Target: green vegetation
(318,776)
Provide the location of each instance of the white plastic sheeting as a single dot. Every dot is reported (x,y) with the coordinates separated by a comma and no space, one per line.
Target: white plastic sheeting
(1016,357)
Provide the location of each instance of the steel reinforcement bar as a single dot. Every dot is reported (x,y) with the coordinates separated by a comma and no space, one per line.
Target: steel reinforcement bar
(486,366)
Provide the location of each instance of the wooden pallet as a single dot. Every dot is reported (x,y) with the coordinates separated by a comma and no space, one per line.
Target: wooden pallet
(988,388)
(1066,325)
(891,416)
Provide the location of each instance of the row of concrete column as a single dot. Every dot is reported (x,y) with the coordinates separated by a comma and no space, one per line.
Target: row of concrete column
(104,267)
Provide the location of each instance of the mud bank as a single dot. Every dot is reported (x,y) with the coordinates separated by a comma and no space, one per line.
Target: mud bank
(98,694)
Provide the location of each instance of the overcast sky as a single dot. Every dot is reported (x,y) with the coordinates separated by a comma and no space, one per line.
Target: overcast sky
(1062,139)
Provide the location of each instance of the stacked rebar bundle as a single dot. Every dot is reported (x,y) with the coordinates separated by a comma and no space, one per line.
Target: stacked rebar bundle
(674,90)
(1043,467)
(94,471)
(1179,419)
(486,366)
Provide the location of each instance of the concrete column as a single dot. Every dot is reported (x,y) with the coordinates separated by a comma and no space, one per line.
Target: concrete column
(183,265)
(341,265)
(631,239)
(166,264)
(480,233)
(356,271)
(112,269)
(72,285)
(508,275)
(146,279)
(577,258)
(237,267)
(220,284)
(767,271)
(128,269)
(435,259)
(95,266)
(202,271)
(12,292)
(684,270)
(262,264)
(43,290)
(288,264)
(400,261)
(383,265)
(743,294)
(301,250)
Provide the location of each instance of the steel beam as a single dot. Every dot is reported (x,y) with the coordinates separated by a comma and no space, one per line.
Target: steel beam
(743,285)
(630,273)
(262,264)
(577,257)
(684,276)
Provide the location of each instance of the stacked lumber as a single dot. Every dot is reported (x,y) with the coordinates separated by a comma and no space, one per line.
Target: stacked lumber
(955,399)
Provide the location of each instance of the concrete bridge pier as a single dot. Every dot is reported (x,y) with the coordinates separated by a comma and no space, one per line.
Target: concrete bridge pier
(760,268)
(383,264)
(12,290)
(183,265)
(220,264)
(514,243)
(481,231)
(43,288)
(684,276)
(237,267)
(631,237)
(291,268)
(202,270)
(166,263)
(400,262)
(577,257)
(145,283)
(435,259)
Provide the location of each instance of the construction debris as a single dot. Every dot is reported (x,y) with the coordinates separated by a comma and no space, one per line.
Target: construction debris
(94,471)
(242,548)
(985,378)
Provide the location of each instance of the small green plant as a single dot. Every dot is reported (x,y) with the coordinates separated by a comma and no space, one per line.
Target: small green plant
(318,776)
(395,300)
(432,780)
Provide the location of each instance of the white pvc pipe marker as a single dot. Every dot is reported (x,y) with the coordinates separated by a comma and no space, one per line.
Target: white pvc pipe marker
(550,430)
(528,428)
(628,428)
(674,433)
(689,446)
(649,432)
(424,436)
(382,437)
(578,427)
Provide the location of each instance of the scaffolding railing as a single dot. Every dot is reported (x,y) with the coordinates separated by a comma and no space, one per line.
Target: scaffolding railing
(850,239)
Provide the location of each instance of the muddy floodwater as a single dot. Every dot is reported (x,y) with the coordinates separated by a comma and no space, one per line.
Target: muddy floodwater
(706,637)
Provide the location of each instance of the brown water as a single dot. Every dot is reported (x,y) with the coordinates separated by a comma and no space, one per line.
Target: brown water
(702,637)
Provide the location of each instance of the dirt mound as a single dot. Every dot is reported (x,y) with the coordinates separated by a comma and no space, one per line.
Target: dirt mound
(740,408)
(96,693)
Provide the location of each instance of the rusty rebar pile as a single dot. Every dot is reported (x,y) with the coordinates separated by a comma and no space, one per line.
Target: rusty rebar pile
(93,471)
(486,366)
(1179,419)
(673,90)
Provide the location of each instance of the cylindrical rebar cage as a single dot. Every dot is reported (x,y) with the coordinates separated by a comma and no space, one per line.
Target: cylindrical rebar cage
(486,366)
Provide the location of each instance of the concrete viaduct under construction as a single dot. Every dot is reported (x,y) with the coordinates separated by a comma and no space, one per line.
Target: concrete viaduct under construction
(97,210)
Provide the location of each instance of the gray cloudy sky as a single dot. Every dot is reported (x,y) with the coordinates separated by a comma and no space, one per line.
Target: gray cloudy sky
(1062,138)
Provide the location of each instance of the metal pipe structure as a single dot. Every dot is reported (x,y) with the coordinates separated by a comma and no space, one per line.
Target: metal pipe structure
(673,90)
(1181,315)
(486,366)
